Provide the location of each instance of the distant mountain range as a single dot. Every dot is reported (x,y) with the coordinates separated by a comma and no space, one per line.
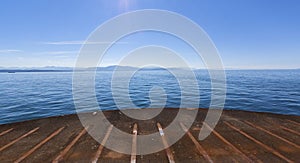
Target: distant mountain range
(108,68)
(70,69)
(35,69)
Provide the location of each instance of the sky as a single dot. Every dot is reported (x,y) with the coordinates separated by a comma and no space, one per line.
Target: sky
(250,34)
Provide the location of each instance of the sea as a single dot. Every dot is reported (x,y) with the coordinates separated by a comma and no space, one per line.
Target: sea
(32,95)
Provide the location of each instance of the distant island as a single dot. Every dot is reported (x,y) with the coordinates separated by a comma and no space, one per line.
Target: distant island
(70,69)
(107,68)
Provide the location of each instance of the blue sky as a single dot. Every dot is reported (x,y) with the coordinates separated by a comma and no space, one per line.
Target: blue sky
(248,34)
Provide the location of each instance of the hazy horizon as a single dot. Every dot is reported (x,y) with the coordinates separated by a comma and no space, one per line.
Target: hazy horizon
(201,68)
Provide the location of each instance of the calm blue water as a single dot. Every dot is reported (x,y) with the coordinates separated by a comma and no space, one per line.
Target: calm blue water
(26,96)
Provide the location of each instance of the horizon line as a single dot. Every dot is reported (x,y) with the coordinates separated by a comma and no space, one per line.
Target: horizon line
(194,68)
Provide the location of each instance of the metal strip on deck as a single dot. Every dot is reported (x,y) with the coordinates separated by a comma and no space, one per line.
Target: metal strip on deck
(197,144)
(16,140)
(296,123)
(228,143)
(259,143)
(6,131)
(39,145)
(65,151)
(290,130)
(238,137)
(167,149)
(101,146)
(284,128)
(269,132)
(134,141)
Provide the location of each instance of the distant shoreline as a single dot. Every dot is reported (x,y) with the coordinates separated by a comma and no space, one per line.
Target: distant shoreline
(15,71)
(121,68)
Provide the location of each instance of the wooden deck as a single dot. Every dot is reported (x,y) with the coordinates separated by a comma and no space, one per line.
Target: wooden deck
(239,137)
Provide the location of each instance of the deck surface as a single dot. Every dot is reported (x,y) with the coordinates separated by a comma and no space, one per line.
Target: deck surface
(238,137)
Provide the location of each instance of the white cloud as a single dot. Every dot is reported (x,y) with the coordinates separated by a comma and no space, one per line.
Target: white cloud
(10,51)
(57,52)
(79,43)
